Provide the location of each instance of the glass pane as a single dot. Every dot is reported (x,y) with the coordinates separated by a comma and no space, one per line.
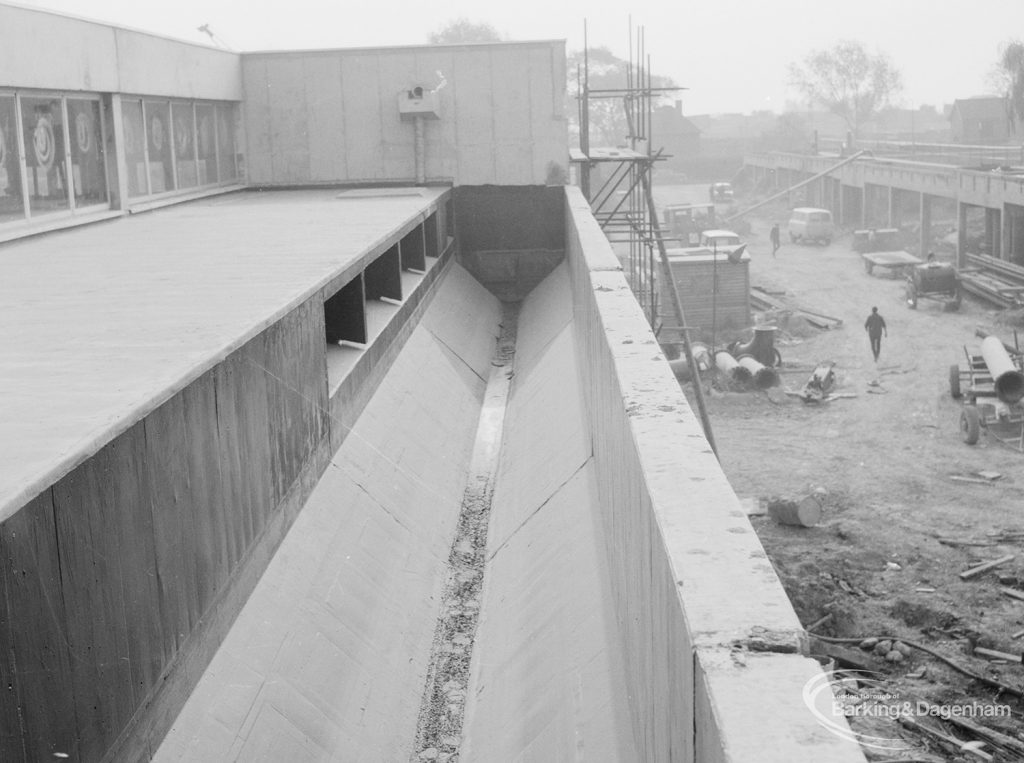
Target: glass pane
(45,155)
(226,141)
(184,144)
(12,206)
(134,147)
(88,168)
(158,143)
(205,134)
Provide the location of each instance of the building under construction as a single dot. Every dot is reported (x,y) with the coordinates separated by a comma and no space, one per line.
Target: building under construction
(332,431)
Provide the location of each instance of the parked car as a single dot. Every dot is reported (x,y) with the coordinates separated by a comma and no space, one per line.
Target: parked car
(720,240)
(721,192)
(811,224)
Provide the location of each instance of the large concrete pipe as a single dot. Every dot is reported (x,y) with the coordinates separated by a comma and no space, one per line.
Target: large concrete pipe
(701,355)
(680,368)
(764,377)
(728,365)
(1007,380)
(761,346)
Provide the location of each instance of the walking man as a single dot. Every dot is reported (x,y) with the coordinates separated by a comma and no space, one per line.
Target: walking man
(875,326)
(774,236)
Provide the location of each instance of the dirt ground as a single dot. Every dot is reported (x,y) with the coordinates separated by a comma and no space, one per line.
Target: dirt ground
(886,557)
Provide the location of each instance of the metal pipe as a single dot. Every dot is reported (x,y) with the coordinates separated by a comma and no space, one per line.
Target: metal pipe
(421,161)
(760,346)
(764,377)
(1006,379)
(727,364)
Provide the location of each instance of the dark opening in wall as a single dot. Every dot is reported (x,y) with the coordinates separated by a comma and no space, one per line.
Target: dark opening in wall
(383,276)
(345,315)
(413,251)
(432,236)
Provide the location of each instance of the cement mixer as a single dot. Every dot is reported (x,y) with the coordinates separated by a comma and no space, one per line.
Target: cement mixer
(992,388)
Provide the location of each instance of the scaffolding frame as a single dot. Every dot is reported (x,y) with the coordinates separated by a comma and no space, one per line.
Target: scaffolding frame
(620,204)
(624,204)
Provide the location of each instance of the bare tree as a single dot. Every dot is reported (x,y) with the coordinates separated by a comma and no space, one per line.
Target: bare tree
(464,30)
(1010,77)
(608,123)
(848,81)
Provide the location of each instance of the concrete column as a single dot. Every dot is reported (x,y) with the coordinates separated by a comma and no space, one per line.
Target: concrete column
(864,206)
(925,218)
(961,233)
(893,207)
(993,237)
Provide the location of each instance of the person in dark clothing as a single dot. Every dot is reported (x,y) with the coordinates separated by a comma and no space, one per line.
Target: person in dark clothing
(774,236)
(875,326)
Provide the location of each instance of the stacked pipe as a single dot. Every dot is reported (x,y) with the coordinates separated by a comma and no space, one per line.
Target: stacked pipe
(728,365)
(764,376)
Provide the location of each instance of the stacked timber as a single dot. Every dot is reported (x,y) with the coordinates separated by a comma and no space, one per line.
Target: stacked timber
(994,280)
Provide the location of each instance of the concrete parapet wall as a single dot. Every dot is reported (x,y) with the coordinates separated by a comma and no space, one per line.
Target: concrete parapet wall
(42,49)
(690,580)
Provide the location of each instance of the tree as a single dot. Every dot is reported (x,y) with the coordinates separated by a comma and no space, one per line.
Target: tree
(608,124)
(848,81)
(1010,77)
(464,30)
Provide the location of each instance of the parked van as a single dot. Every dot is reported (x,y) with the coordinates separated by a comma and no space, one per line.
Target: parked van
(810,224)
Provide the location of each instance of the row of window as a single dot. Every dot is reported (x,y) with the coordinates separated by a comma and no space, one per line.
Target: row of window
(176,145)
(53,150)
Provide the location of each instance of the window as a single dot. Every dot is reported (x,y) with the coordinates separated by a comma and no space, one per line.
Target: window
(183,124)
(12,203)
(88,166)
(42,126)
(226,166)
(206,143)
(158,146)
(134,147)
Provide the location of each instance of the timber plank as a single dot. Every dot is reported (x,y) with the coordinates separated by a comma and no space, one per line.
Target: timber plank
(166,463)
(206,489)
(94,606)
(253,419)
(42,714)
(237,527)
(127,521)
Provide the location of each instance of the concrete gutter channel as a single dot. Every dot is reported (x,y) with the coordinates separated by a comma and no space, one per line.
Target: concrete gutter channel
(628,611)
(439,726)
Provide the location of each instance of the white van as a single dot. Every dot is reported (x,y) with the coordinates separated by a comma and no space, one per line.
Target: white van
(810,224)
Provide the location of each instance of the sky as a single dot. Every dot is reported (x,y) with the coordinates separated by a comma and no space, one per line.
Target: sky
(731,55)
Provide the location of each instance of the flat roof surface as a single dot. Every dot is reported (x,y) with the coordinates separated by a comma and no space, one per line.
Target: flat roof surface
(101,324)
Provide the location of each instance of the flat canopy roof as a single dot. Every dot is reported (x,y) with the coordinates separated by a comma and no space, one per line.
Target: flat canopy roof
(104,323)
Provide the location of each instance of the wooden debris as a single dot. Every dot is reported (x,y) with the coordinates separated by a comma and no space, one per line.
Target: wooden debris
(993,737)
(974,571)
(991,476)
(912,723)
(1018,634)
(956,542)
(924,589)
(995,654)
(1012,593)
(972,480)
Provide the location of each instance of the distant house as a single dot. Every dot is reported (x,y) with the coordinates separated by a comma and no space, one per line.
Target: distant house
(673,132)
(982,119)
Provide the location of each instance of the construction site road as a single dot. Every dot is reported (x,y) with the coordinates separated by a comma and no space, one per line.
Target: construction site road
(904,508)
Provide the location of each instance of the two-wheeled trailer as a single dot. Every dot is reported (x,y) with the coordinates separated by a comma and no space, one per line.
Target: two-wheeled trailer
(991,386)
